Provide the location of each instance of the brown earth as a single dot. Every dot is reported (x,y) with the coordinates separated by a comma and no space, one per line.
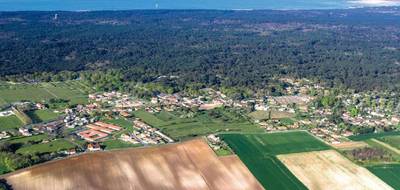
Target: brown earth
(329,170)
(350,145)
(188,165)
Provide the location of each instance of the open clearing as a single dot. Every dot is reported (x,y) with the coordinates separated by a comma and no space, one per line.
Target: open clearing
(201,124)
(10,122)
(350,145)
(330,170)
(188,165)
(43,91)
(390,173)
(258,152)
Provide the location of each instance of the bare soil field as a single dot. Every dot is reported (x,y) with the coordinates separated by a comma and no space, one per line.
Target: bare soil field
(188,165)
(350,145)
(331,171)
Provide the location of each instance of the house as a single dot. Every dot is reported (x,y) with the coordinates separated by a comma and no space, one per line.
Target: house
(71,151)
(25,132)
(93,147)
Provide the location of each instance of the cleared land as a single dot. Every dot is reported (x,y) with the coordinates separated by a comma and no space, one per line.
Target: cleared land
(188,165)
(258,152)
(350,145)
(10,122)
(373,135)
(43,91)
(39,116)
(330,170)
(390,173)
(201,124)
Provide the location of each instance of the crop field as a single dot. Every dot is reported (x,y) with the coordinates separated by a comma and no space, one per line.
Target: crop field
(389,173)
(373,135)
(117,144)
(201,124)
(39,116)
(43,91)
(326,170)
(183,166)
(393,141)
(10,122)
(258,152)
(53,146)
(35,138)
(350,145)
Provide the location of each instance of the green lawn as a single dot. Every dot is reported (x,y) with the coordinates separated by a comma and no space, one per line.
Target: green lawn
(223,152)
(35,138)
(43,91)
(53,146)
(202,123)
(39,116)
(258,152)
(392,140)
(117,144)
(373,135)
(10,122)
(389,173)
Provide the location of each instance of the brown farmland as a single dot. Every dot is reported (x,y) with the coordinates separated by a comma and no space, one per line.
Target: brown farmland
(188,165)
(331,171)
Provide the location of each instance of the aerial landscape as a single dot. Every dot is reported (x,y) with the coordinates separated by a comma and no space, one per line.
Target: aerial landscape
(200,95)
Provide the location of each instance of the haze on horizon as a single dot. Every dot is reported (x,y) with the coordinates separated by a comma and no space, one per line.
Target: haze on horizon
(79,5)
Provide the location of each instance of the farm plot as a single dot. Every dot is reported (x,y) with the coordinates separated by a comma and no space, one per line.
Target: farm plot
(39,116)
(373,135)
(38,92)
(330,170)
(10,122)
(393,141)
(183,166)
(390,173)
(202,123)
(258,152)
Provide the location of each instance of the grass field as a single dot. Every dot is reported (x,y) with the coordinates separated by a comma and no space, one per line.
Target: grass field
(201,124)
(391,140)
(262,115)
(35,138)
(373,135)
(53,146)
(10,122)
(258,152)
(117,144)
(39,116)
(43,91)
(389,173)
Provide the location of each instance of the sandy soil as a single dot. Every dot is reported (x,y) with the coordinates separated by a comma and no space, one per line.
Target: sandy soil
(350,145)
(189,165)
(331,171)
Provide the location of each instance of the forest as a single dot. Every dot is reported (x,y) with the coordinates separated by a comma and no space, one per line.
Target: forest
(179,49)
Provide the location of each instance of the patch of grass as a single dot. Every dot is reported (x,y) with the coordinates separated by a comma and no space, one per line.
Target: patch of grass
(35,138)
(389,173)
(10,122)
(259,115)
(287,121)
(118,144)
(391,140)
(201,124)
(373,135)
(223,152)
(53,146)
(39,116)
(258,152)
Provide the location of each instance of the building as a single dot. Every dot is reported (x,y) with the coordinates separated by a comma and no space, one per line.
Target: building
(93,147)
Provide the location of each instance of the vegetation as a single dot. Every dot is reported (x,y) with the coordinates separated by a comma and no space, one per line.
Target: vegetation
(389,173)
(53,146)
(258,152)
(391,140)
(199,123)
(39,116)
(128,49)
(10,122)
(373,135)
(117,144)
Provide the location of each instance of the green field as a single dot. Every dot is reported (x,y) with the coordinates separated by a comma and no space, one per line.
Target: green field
(10,122)
(202,123)
(258,152)
(53,146)
(117,144)
(43,91)
(35,138)
(391,140)
(39,116)
(389,173)
(373,135)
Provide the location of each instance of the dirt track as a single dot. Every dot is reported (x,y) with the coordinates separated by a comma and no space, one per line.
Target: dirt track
(350,145)
(331,171)
(189,165)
